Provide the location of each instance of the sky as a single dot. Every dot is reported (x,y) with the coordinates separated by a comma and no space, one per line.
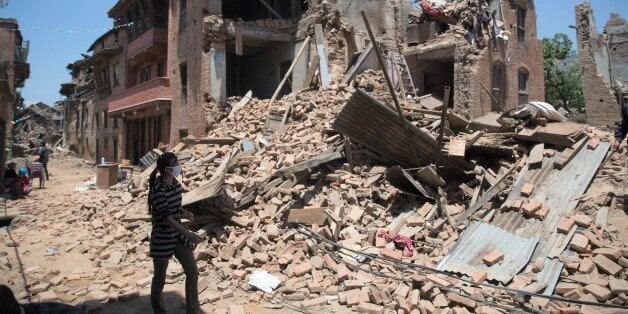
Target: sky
(60,30)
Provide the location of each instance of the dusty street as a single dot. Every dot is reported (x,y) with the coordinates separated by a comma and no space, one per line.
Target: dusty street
(48,222)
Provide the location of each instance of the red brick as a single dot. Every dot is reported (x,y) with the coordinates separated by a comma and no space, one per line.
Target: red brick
(600,293)
(579,242)
(583,220)
(606,265)
(396,254)
(527,189)
(542,213)
(565,225)
(531,207)
(493,258)
(478,276)
(370,308)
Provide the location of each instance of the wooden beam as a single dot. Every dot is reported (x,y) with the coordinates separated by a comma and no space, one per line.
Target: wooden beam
(309,216)
(569,153)
(285,78)
(238,40)
(535,160)
(210,140)
(490,193)
(311,71)
(320,48)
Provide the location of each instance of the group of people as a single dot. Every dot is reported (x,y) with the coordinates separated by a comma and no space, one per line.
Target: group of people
(17,182)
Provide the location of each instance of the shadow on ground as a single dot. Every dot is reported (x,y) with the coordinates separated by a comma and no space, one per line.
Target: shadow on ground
(172,299)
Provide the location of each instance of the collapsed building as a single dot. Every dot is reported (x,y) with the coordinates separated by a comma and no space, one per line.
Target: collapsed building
(14,71)
(340,198)
(170,70)
(603,65)
(35,122)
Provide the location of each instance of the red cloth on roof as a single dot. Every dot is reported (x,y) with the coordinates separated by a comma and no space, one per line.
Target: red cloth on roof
(435,13)
(408,246)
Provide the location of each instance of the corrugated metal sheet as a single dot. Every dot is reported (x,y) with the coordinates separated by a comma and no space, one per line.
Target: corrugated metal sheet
(550,275)
(481,238)
(558,190)
(375,125)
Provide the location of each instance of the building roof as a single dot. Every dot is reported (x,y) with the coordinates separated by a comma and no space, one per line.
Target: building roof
(99,39)
(117,8)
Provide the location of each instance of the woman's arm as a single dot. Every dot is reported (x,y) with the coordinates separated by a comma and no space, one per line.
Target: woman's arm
(182,230)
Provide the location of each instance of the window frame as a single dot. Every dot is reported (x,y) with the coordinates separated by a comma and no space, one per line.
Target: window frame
(521,15)
(116,74)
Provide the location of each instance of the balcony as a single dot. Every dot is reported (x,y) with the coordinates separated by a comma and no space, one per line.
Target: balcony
(146,45)
(140,96)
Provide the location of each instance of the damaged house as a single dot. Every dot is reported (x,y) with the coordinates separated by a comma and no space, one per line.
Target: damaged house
(14,71)
(181,65)
(603,65)
(488,53)
(90,130)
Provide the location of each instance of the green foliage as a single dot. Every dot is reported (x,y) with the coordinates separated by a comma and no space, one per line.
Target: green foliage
(563,84)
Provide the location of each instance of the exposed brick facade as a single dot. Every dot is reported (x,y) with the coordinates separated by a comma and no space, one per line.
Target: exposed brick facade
(13,72)
(185,46)
(600,102)
(471,83)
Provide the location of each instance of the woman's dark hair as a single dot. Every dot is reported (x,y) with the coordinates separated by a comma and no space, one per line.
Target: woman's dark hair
(164,161)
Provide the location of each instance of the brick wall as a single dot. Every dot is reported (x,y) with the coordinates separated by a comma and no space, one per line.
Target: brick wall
(186,46)
(600,103)
(471,72)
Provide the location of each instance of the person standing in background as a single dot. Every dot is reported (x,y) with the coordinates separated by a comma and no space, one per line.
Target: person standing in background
(44,155)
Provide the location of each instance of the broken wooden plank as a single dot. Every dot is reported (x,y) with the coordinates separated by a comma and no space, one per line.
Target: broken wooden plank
(456,148)
(490,193)
(243,102)
(361,64)
(472,138)
(311,71)
(563,134)
(322,54)
(304,45)
(212,187)
(535,160)
(569,153)
(337,153)
(308,216)
(210,140)
(404,182)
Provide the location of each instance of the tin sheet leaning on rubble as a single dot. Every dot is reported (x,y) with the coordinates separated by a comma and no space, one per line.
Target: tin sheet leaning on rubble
(481,238)
(557,189)
(375,125)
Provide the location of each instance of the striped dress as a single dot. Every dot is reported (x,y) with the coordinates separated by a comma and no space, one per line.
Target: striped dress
(166,202)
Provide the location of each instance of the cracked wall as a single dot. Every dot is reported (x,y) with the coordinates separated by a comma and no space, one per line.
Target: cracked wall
(600,102)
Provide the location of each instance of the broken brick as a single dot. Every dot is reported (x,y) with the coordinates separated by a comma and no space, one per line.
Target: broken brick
(531,207)
(527,189)
(493,258)
(606,265)
(579,243)
(565,225)
(600,293)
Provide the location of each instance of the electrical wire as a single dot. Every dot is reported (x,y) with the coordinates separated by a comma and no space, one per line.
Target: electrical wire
(441,287)
(403,264)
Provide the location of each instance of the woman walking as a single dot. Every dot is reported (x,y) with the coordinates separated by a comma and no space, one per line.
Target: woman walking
(169,237)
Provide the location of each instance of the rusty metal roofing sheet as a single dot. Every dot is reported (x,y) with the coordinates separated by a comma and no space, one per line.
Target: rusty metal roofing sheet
(481,238)
(375,125)
(557,189)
